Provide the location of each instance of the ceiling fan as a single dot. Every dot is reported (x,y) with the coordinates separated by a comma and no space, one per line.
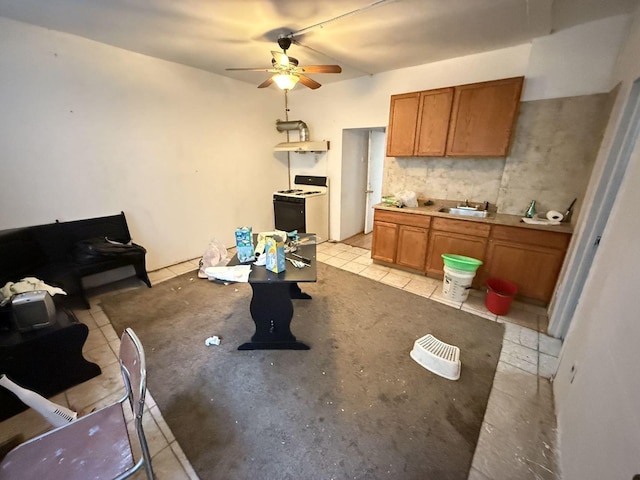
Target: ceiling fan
(286,70)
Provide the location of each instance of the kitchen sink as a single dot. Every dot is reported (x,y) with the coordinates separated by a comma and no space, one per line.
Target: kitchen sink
(465,211)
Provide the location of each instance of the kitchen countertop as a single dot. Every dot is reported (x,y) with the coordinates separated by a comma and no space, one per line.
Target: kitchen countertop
(493,218)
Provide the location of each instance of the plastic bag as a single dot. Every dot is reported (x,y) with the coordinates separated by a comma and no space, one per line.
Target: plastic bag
(215,254)
(408,198)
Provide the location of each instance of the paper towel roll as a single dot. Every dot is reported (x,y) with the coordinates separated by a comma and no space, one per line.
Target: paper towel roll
(554,216)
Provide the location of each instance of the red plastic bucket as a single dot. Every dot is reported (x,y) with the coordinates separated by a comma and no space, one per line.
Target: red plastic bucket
(500,294)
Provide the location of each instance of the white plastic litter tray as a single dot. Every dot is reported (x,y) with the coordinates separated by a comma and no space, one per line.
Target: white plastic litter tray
(438,357)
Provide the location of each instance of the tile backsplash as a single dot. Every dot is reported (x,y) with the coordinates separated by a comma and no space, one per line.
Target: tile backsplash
(555,145)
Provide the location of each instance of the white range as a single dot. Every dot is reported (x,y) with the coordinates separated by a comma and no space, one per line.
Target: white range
(304,207)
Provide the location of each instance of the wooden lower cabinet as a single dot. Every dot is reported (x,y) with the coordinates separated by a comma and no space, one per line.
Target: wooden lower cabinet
(400,238)
(459,244)
(531,259)
(412,246)
(385,241)
(458,237)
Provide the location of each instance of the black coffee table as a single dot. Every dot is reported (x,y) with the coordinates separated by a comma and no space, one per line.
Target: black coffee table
(271,306)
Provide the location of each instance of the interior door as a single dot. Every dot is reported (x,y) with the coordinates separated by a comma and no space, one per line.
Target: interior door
(377,145)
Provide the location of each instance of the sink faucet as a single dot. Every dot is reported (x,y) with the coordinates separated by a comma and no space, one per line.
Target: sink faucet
(466,202)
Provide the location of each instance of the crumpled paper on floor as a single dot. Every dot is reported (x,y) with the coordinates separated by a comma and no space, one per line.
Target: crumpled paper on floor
(236,273)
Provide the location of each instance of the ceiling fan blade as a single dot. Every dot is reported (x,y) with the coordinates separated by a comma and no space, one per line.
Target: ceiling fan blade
(280,58)
(250,70)
(309,82)
(321,69)
(266,83)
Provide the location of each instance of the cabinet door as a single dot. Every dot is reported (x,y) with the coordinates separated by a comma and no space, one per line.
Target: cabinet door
(534,269)
(403,118)
(412,247)
(433,122)
(460,244)
(385,238)
(483,117)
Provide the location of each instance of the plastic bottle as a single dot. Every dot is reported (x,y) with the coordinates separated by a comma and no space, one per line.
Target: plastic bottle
(531,210)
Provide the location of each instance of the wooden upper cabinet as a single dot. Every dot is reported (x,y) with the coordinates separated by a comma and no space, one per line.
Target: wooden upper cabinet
(403,116)
(433,122)
(483,118)
(475,120)
(418,123)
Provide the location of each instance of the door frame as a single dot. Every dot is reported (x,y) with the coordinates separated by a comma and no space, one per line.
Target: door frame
(375,161)
(595,219)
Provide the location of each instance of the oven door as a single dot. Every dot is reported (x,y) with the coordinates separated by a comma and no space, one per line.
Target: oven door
(289,213)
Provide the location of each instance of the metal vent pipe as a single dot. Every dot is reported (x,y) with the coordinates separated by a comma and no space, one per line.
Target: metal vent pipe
(294,125)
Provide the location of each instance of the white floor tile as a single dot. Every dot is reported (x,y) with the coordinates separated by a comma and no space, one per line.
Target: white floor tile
(549,345)
(183,267)
(521,335)
(373,273)
(161,275)
(417,287)
(322,257)
(353,267)
(336,262)
(547,365)
(363,259)
(347,255)
(395,280)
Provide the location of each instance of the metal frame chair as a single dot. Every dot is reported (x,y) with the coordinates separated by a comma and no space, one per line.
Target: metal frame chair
(96,446)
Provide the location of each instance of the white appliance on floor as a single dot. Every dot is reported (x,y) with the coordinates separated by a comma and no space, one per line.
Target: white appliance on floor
(304,207)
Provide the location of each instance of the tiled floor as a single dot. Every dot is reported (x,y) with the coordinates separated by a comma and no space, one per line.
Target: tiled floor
(517,440)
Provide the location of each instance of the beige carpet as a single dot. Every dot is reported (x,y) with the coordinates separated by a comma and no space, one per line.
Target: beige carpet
(354,406)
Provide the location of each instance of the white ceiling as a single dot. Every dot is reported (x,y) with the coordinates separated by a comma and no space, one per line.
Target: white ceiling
(214,34)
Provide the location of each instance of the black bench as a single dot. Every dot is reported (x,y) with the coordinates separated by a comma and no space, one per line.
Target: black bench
(51,253)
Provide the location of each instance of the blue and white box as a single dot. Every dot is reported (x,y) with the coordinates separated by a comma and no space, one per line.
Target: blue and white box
(244,244)
(275,261)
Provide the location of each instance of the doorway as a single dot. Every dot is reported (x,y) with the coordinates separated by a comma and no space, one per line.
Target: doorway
(363,153)
(577,271)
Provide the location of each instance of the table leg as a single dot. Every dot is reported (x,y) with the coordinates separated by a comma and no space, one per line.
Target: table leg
(295,292)
(272,310)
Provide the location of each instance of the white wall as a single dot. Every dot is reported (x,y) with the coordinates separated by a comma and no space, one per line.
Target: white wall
(597,403)
(576,61)
(87,129)
(588,53)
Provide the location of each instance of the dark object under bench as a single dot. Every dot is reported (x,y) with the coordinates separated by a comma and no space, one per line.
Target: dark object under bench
(47,361)
(50,253)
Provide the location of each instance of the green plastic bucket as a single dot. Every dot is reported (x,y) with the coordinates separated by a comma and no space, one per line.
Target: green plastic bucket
(460,262)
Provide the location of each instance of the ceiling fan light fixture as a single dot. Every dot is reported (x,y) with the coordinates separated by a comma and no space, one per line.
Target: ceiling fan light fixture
(286,81)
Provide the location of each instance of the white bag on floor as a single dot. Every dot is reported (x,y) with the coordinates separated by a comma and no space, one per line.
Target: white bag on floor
(214,255)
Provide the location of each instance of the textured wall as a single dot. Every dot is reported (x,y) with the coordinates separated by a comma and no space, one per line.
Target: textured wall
(553,151)
(554,147)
